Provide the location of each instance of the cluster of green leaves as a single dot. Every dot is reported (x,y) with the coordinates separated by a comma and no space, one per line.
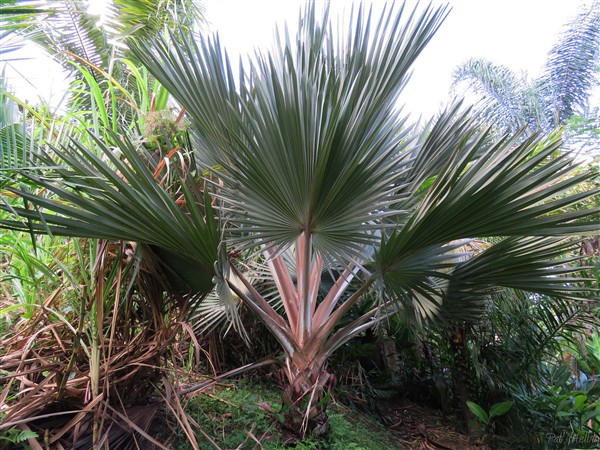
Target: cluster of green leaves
(560,404)
(496,410)
(351,175)
(31,268)
(16,436)
(81,288)
(588,354)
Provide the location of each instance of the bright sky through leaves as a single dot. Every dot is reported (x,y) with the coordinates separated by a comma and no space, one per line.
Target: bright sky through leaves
(516,33)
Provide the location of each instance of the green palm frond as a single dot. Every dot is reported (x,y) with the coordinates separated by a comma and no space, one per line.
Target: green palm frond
(572,66)
(102,195)
(17,17)
(434,145)
(148,18)
(414,278)
(311,165)
(70,28)
(15,14)
(524,327)
(530,264)
(509,101)
(17,140)
(12,134)
(511,189)
(308,137)
(16,146)
(500,90)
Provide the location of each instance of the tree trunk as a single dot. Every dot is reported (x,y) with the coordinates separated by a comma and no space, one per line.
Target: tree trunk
(460,377)
(391,358)
(304,399)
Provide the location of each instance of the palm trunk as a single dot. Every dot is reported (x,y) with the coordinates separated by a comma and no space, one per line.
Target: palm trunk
(460,377)
(303,397)
(391,358)
(307,331)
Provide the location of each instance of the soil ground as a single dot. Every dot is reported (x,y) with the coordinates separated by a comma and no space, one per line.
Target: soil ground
(420,427)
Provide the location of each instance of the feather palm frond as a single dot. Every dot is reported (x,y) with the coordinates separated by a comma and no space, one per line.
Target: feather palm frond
(572,66)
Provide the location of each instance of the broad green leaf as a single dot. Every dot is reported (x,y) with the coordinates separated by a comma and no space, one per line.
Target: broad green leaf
(591,415)
(580,401)
(479,412)
(499,409)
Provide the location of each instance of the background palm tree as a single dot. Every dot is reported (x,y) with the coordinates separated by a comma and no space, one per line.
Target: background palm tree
(511,100)
(68,27)
(304,163)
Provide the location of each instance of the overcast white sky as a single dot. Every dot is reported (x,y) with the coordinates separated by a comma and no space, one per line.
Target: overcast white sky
(517,33)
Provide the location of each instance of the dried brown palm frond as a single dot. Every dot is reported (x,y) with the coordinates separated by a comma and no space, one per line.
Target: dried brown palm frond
(95,376)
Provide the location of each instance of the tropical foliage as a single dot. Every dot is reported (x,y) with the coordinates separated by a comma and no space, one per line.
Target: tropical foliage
(292,192)
(304,162)
(92,308)
(559,97)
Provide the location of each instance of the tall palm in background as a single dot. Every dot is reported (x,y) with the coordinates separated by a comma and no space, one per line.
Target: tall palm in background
(303,163)
(76,35)
(510,100)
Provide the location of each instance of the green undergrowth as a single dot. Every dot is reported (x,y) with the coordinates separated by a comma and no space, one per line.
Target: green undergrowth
(233,416)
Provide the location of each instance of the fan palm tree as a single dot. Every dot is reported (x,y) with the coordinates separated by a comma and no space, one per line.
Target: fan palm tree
(305,162)
(511,101)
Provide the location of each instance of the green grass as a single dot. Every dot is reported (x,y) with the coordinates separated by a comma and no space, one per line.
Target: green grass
(232,417)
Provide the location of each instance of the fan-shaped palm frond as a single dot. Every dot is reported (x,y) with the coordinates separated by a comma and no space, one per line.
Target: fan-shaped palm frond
(221,308)
(316,147)
(111,197)
(519,187)
(528,264)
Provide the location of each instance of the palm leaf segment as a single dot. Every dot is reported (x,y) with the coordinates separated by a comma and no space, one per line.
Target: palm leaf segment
(572,66)
(527,264)
(510,101)
(501,91)
(510,190)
